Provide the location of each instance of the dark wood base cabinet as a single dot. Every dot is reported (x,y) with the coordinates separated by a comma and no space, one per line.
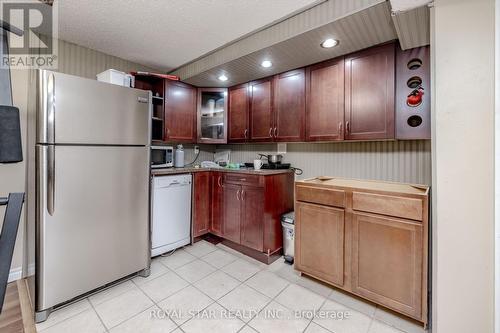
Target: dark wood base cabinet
(202,203)
(243,208)
(368,238)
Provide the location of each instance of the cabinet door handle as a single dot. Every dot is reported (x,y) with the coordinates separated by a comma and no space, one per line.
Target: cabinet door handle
(347,127)
(238,195)
(242,194)
(168,132)
(340,128)
(219,181)
(246,133)
(271,132)
(275,132)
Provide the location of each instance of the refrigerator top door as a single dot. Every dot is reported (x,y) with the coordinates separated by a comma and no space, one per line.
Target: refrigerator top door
(75,110)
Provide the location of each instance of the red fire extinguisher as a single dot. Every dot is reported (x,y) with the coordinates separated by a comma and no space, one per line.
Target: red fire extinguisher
(415,97)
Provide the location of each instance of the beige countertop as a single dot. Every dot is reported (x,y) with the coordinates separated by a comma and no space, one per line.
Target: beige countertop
(173,171)
(375,185)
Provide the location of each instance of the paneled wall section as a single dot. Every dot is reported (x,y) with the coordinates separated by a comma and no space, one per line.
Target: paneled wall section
(78,60)
(402,161)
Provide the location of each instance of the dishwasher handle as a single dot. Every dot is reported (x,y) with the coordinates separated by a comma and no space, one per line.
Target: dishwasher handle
(174,183)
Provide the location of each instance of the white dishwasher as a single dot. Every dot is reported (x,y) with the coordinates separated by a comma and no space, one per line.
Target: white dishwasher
(171,227)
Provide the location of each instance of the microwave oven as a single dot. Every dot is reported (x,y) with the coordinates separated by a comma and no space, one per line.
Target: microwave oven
(162,156)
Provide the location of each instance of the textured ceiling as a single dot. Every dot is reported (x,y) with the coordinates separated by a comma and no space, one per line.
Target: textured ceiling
(165,34)
(308,20)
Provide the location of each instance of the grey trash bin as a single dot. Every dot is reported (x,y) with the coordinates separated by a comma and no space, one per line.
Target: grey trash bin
(288,224)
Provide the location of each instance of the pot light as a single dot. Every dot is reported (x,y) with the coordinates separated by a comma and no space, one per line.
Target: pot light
(223,78)
(266,63)
(330,42)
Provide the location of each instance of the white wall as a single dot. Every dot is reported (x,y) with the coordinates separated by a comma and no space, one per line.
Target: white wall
(497,166)
(463,165)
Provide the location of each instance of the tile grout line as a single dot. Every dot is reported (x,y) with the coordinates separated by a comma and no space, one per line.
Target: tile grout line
(137,287)
(259,269)
(154,305)
(193,284)
(98,316)
(288,283)
(242,283)
(215,301)
(312,320)
(65,306)
(273,300)
(370,326)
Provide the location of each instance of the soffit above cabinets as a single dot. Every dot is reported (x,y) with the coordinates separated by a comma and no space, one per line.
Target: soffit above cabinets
(295,42)
(413,27)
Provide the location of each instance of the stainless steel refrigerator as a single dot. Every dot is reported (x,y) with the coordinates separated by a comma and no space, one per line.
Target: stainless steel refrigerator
(91,193)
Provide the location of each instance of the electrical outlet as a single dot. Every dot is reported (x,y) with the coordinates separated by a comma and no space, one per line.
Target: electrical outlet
(196,149)
(281,148)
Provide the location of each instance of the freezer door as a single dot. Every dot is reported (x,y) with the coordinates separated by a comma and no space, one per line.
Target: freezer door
(92,218)
(75,110)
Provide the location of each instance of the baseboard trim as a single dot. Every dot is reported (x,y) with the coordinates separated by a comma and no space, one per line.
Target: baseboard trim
(15,274)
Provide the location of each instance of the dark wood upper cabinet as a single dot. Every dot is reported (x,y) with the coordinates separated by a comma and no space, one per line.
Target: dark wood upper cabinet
(261,113)
(325,101)
(289,106)
(238,113)
(348,98)
(180,112)
(369,93)
(212,115)
(201,203)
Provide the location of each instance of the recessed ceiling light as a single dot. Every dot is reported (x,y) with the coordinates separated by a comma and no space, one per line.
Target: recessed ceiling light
(330,42)
(266,63)
(223,78)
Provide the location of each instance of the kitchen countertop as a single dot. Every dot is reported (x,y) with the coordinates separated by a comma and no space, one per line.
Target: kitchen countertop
(373,185)
(173,171)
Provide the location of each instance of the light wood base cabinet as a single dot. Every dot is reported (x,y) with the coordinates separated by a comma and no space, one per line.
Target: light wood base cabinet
(368,238)
(387,262)
(321,230)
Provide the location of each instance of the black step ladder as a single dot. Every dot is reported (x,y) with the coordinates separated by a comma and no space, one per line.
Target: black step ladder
(10,152)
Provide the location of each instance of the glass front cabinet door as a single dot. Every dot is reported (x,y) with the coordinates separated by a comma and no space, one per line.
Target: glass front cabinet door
(212,115)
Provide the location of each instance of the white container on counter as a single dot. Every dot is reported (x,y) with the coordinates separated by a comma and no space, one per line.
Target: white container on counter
(179,157)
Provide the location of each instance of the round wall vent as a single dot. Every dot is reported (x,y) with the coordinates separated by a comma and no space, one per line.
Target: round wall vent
(414,121)
(414,64)
(414,82)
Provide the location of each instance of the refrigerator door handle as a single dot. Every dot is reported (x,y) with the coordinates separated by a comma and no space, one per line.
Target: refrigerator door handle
(51,108)
(51,179)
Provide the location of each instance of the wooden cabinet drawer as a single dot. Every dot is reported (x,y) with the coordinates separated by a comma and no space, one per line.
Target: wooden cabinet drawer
(243,179)
(408,208)
(322,196)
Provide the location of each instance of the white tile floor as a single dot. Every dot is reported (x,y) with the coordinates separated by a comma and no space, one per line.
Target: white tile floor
(196,288)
